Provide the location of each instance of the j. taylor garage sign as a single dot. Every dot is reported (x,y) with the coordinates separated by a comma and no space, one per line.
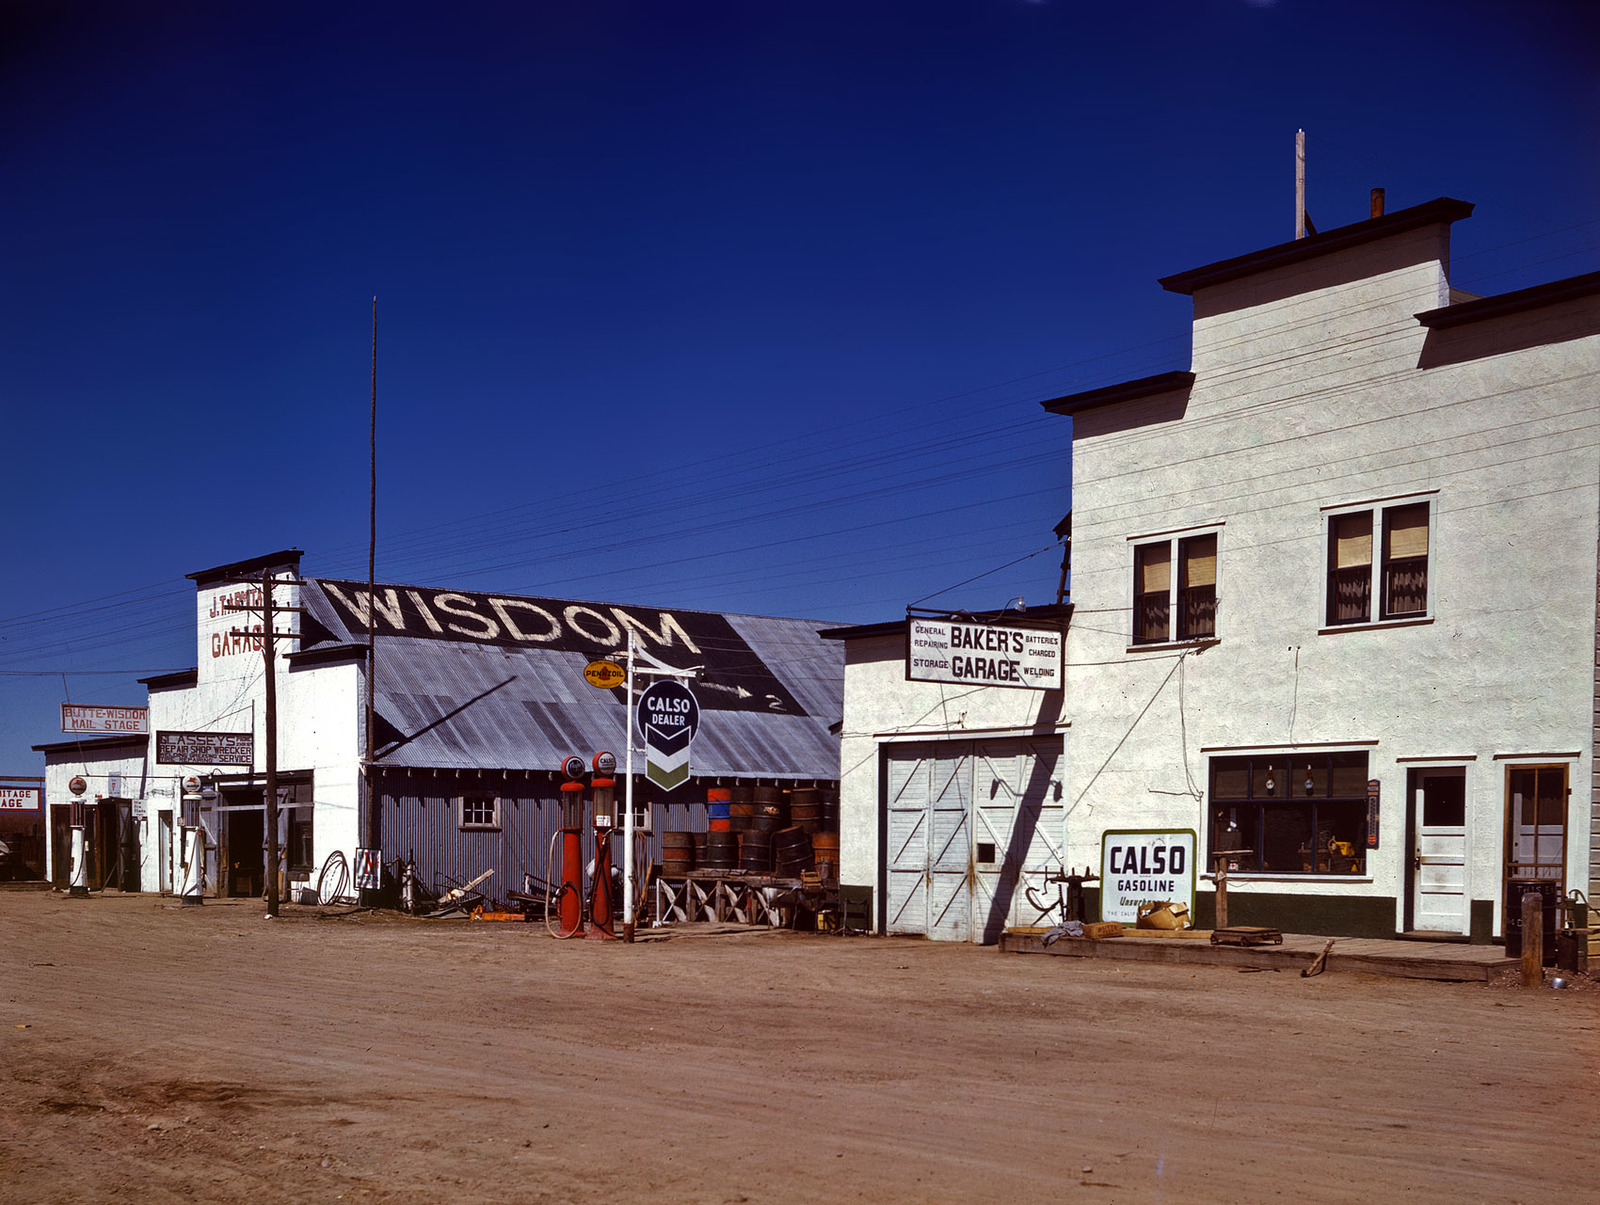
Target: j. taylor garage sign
(974,653)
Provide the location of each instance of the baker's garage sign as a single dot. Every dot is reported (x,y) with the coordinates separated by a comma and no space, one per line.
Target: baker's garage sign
(975,653)
(1145,866)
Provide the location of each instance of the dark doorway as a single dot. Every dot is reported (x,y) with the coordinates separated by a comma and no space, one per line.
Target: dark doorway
(245,838)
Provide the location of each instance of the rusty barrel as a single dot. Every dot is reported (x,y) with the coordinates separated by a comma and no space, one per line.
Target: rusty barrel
(791,849)
(743,808)
(805,810)
(755,852)
(677,854)
(722,852)
(769,809)
(825,849)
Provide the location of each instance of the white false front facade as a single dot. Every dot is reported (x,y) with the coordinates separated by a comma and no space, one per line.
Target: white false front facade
(1377,682)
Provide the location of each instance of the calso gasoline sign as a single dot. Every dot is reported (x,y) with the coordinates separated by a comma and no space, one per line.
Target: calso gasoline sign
(1145,866)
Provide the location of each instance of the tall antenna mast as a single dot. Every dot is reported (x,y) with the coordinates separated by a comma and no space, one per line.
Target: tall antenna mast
(1299,184)
(373,832)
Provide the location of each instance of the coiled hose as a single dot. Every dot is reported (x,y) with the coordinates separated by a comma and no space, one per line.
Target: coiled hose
(340,868)
(553,891)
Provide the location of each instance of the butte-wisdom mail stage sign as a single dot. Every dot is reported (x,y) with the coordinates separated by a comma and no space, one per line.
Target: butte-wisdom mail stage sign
(971,652)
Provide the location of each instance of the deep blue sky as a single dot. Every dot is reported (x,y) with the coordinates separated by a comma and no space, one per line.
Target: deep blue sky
(742,305)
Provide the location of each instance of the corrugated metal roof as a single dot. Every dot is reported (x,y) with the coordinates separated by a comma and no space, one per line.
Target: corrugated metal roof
(468,700)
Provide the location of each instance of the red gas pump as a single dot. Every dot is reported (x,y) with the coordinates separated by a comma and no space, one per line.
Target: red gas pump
(602,902)
(569,894)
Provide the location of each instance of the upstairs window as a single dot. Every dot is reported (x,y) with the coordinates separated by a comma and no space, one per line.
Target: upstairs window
(1397,577)
(1170,606)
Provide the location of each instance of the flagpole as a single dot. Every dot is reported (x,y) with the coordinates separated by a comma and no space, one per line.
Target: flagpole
(628,915)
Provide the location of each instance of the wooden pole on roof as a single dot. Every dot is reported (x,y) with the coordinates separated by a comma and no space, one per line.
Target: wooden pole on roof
(1299,184)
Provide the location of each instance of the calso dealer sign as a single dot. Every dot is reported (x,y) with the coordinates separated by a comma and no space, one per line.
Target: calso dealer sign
(1145,866)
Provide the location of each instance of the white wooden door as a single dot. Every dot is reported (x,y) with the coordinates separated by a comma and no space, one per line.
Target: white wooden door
(929,839)
(164,851)
(950,851)
(1439,861)
(1018,826)
(906,889)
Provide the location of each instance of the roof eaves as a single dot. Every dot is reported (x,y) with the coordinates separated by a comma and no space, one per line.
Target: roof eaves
(1048,613)
(1504,304)
(327,653)
(126,740)
(287,556)
(1127,391)
(1441,209)
(178,678)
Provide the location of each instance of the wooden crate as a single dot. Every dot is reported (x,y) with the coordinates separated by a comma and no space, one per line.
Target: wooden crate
(1099,930)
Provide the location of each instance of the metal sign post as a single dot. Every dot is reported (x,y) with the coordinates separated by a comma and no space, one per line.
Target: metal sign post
(659,669)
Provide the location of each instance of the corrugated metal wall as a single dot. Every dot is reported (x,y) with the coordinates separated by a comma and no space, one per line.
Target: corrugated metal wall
(421,821)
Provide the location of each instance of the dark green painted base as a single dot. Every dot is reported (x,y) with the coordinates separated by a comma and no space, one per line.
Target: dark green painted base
(1482,922)
(1325,915)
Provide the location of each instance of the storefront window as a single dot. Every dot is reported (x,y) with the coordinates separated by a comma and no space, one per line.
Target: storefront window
(1290,813)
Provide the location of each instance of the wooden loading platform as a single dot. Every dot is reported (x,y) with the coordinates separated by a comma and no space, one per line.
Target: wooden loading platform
(1449,961)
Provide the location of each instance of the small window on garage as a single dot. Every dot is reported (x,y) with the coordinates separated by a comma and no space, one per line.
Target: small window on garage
(302,847)
(480,812)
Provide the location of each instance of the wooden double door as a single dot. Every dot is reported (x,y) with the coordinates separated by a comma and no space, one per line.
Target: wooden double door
(968,826)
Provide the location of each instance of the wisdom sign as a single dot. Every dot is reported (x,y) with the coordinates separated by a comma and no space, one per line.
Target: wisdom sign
(1145,866)
(968,653)
(668,716)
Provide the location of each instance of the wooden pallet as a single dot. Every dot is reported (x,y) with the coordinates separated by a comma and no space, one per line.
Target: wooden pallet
(1246,935)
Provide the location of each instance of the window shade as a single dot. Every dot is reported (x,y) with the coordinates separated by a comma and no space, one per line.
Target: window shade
(1352,540)
(1406,528)
(1155,568)
(1199,566)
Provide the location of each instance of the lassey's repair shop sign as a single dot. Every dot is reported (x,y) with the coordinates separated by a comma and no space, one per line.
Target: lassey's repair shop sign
(1145,866)
(983,654)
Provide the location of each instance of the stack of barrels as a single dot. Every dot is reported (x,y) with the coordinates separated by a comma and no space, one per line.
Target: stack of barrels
(746,834)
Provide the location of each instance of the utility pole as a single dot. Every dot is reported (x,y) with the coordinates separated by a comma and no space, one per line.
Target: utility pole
(269,652)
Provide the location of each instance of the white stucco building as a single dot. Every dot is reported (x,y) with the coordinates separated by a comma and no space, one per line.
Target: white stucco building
(1334,597)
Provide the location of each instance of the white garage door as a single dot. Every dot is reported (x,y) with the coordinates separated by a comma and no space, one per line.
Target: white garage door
(968,824)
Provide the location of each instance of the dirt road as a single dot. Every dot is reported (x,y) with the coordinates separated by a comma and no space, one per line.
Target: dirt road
(154,1053)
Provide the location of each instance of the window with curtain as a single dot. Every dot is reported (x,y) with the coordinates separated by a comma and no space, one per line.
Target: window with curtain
(1152,601)
(1175,589)
(1397,577)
